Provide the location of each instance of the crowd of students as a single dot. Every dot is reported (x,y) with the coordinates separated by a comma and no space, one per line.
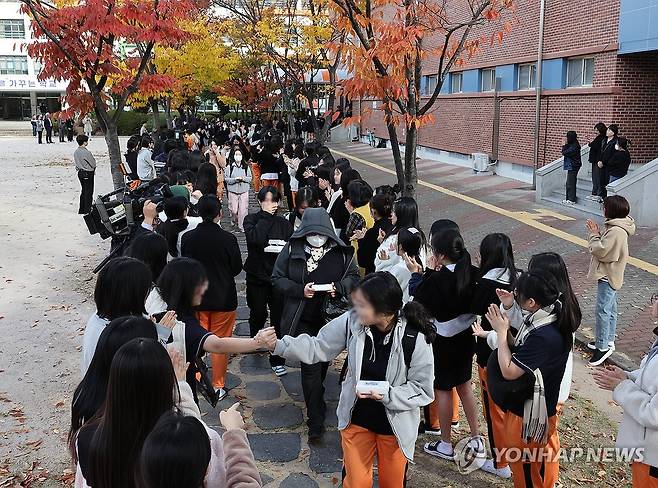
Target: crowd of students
(348,268)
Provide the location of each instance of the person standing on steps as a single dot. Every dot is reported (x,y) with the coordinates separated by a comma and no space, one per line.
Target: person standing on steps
(572,164)
(620,161)
(39,129)
(266,233)
(594,157)
(85,165)
(607,151)
(48,125)
(313,256)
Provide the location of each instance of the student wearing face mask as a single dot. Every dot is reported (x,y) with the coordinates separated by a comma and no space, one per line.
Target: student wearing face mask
(238,183)
(314,256)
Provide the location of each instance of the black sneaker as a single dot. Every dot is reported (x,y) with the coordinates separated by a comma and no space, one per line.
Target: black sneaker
(600,356)
(315,437)
(592,345)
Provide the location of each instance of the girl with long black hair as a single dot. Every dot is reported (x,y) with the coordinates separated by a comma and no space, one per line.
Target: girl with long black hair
(525,373)
(447,294)
(206,181)
(386,342)
(403,216)
(497,271)
(151,249)
(177,223)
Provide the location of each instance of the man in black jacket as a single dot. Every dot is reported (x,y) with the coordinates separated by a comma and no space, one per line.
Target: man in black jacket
(219,252)
(266,235)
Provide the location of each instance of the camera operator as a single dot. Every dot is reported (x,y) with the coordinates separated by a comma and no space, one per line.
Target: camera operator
(145,165)
(85,165)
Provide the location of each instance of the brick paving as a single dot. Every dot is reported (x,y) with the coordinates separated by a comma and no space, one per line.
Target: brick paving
(634,335)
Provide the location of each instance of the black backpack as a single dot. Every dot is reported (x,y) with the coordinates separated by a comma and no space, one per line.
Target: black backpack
(408,346)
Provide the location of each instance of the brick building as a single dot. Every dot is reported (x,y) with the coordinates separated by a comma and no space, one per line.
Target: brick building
(600,64)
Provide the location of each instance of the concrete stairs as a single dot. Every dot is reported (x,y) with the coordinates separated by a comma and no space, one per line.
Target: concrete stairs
(583,190)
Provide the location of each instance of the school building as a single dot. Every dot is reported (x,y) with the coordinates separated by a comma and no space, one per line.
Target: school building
(600,63)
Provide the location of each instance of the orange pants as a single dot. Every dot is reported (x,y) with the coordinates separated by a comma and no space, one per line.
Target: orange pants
(359,448)
(543,470)
(221,324)
(255,176)
(495,418)
(641,476)
(432,411)
(274,183)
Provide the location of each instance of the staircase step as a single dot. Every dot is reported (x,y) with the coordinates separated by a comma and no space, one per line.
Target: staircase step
(583,204)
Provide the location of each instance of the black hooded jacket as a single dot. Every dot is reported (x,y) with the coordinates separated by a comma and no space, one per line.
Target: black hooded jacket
(290,273)
(259,229)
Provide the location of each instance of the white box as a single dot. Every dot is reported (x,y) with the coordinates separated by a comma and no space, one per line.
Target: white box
(380,387)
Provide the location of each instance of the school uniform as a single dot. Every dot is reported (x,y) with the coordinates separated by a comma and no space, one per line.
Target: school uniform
(483,296)
(367,251)
(539,349)
(454,345)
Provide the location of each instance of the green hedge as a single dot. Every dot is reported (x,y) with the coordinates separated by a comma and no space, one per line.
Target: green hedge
(129,123)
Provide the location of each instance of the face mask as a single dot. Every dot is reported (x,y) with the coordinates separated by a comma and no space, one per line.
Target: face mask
(238,158)
(316,240)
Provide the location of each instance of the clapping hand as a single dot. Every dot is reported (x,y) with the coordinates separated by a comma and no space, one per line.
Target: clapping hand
(592,227)
(412,264)
(358,234)
(381,236)
(505,297)
(180,366)
(168,320)
(609,377)
(478,331)
(231,419)
(499,321)
(383,255)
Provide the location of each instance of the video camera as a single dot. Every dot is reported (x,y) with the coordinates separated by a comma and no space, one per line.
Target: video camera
(117,213)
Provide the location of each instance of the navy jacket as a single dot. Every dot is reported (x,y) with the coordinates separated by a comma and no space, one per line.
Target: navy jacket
(571,153)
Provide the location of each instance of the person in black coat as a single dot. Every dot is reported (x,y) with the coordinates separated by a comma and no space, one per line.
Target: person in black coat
(572,164)
(617,166)
(266,233)
(304,174)
(381,206)
(595,156)
(219,252)
(607,151)
(313,256)
(48,125)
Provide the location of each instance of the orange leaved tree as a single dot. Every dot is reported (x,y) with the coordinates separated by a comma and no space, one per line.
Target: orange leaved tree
(102,48)
(392,44)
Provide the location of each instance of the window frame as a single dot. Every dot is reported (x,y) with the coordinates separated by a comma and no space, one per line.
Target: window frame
(532,76)
(453,76)
(428,89)
(582,83)
(20,23)
(14,59)
(492,79)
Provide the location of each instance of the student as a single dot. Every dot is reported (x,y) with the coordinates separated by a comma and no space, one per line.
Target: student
(620,161)
(181,288)
(293,153)
(141,387)
(85,165)
(206,182)
(304,173)
(177,223)
(179,453)
(497,271)
(404,215)
(571,164)
(336,208)
(306,197)
(263,230)
(609,250)
(357,204)
(313,255)
(238,183)
(635,391)
(145,165)
(409,243)
(218,160)
(121,289)
(89,395)
(219,253)
(447,294)
(595,156)
(608,149)
(385,342)
(524,377)
(381,206)
(152,250)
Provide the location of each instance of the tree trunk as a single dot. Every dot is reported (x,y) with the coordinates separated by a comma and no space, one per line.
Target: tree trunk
(397,155)
(168,117)
(410,171)
(155,108)
(114,151)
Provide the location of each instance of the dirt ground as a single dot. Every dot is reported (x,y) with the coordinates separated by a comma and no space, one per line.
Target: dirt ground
(46,285)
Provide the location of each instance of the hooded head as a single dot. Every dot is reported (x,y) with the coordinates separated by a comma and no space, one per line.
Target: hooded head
(316,222)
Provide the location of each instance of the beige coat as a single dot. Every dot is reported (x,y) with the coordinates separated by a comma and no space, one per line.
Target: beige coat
(609,251)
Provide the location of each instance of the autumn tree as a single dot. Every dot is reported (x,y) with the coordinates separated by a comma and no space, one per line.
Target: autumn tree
(391,44)
(81,42)
(252,86)
(294,37)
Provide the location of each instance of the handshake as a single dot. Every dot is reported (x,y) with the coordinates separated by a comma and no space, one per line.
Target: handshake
(266,338)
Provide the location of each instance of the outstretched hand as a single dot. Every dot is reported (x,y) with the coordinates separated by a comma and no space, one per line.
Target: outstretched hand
(592,227)
(608,378)
(266,338)
(505,297)
(478,331)
(231,419)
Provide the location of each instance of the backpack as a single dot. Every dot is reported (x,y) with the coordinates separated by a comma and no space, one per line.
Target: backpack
(408,346)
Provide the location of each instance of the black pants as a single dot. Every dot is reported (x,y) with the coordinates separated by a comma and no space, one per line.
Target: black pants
(604,178)
(596,179)
(313,376)
(40,136)
(572,178)
(61,134)
(86,195)
(49,135)
(260,296)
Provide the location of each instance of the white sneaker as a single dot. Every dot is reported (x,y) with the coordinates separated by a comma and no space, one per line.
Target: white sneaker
(221,394)
(280,370)
(489,467)
(440,449)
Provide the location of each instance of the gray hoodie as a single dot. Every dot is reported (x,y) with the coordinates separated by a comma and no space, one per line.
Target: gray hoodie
(409,390)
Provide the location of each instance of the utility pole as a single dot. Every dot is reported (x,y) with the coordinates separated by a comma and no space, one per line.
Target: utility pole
(538,90)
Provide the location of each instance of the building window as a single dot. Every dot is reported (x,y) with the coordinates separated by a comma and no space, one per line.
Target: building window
(488,80)
(527,76)
(456,82)
(580,72)
(430,84)
(12,29)
(13,65)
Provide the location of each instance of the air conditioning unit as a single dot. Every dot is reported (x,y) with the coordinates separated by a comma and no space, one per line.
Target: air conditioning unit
(480,162)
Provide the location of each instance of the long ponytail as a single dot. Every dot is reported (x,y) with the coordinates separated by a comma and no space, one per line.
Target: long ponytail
(450,244)
(419,318)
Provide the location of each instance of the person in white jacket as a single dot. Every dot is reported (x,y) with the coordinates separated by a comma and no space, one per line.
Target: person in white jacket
(637,393)
(404,215)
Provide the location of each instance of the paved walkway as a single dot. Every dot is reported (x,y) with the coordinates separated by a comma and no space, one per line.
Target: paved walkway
(482,204)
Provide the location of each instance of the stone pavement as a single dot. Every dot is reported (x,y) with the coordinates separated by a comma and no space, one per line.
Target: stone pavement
(634,335)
